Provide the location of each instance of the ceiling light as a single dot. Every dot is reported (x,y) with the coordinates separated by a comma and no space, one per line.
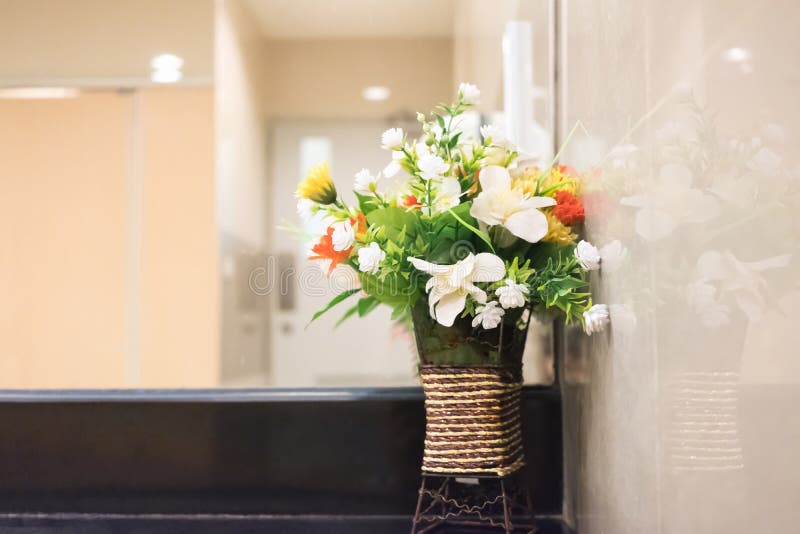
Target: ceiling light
(39,92)
(376,93)
(166,76)
(166,62)
(166,68)
(736,54)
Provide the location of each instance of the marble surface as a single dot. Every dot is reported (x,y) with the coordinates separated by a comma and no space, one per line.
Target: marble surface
(681,417)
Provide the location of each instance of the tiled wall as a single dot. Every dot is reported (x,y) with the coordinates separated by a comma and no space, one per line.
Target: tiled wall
(682,418)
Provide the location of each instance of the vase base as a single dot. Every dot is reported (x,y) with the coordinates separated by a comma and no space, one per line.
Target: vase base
(500,502)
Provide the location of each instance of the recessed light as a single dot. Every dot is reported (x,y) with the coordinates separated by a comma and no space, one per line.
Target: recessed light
(166,68)
(736,54)
(39,92)
(376,93)
(166,75)
(166,62)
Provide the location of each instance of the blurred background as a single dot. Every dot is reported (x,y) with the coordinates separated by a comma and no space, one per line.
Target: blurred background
(149,151)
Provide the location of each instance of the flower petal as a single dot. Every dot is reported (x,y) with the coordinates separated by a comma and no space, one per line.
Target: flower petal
(490,268)
(449,307)
(481,209)
(530,225)
(434,297)
(428,267)
(495,176)
(478,294)
(539,202)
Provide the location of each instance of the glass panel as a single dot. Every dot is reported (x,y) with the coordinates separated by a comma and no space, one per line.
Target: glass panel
(681,419)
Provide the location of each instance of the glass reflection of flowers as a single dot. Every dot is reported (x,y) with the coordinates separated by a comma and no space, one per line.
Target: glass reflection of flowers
(482,236)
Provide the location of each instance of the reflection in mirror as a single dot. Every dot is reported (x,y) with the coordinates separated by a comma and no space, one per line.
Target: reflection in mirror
(149,150)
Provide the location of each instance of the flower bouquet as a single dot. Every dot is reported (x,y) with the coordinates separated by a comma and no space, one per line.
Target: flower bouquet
(464,247)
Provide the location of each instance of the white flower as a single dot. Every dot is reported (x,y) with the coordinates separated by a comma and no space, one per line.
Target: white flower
(512,295)
(305,208)
(498,203)
(595,318)
(448,195)
(365,183)
(394,166)
(468,93)
(370,258)
(488,316)
(432,167)
(496,136)
(392,139)
(587,255)
(343,235)
(450,284)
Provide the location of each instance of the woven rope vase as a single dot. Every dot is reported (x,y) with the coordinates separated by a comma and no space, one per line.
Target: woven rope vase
(473,421)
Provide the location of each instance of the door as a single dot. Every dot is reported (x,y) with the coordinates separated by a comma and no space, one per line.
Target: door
(368,351)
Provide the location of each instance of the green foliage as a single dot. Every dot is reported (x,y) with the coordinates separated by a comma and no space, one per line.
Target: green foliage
(562,284)
(397,224)
(334,301)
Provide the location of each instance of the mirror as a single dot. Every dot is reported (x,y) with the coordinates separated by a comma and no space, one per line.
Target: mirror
(149,153)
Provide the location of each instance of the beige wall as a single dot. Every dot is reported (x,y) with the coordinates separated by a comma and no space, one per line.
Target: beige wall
(91,42)
(324,78)
(63,169)
(180,263)
(102,287)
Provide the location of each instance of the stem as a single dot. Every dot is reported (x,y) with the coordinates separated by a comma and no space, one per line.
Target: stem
(558,154)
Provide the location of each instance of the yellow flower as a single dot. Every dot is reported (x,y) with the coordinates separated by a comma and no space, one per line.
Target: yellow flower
(558,178)
(557,232)
(317,185)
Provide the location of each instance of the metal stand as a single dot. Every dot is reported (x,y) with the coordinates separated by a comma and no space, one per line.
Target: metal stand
(488,501)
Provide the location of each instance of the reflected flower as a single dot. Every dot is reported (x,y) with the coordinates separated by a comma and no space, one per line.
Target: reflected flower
(671,202)
(612,255)
(595,319)
(765,161)
(721,274)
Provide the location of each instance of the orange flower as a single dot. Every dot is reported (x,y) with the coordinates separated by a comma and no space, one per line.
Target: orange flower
(411,201)
(569,209)
(360,224)
(324,251)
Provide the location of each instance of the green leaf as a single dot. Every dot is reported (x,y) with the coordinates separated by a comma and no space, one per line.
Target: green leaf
(349,313)
(397,223)
(366,305)
(334,301)
(482,235)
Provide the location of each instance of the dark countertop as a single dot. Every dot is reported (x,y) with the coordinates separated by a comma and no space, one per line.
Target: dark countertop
(225,524)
